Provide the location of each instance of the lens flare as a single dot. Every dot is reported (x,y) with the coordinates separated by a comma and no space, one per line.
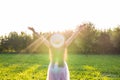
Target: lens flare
(57,40)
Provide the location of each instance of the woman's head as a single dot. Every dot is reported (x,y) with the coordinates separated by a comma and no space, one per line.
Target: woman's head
(57,40)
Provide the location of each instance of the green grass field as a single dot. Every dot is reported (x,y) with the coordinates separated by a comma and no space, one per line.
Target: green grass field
(81,67)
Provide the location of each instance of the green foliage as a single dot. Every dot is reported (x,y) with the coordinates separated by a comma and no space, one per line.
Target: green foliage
(81,67)
(115,38)
(89,40)
(15,42)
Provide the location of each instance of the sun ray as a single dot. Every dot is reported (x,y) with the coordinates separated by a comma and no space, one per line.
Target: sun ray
(33,46)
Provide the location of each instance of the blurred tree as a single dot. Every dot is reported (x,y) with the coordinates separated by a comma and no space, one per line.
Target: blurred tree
(13,41)
(115,38)
(103,43)
(4,44)
(87,38)
(24,40)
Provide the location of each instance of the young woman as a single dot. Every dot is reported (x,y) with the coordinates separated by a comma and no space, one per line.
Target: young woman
(58,69)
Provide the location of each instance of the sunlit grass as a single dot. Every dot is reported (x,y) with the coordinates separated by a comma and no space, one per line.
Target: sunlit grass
(81,67)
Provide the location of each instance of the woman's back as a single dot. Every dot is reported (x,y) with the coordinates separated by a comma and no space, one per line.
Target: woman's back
(58,69)
(57,56)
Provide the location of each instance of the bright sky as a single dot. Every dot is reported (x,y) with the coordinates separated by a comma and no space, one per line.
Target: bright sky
(54,15)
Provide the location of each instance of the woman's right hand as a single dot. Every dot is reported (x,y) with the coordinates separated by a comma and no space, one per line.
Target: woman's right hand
(31,28)
(80,27)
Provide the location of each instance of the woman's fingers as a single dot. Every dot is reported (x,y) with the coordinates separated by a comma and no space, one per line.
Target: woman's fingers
(31,28)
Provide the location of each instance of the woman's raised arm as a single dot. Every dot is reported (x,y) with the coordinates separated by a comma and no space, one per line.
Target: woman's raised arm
(45,41)
(74,35)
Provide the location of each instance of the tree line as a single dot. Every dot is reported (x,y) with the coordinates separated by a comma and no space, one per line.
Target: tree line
(89,41)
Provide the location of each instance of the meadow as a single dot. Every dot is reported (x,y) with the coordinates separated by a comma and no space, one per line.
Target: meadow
(81,67)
